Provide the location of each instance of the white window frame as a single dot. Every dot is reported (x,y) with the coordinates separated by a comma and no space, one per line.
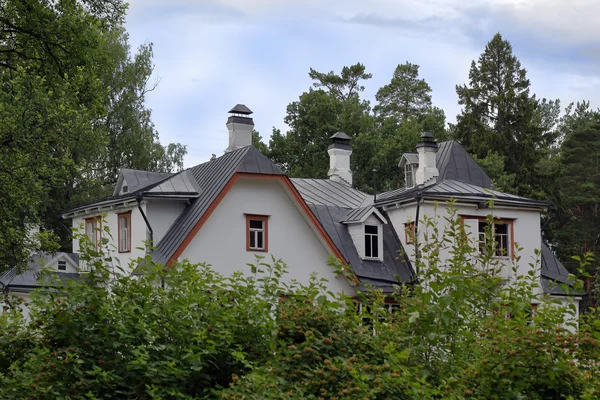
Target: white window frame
(370,236)
(408,173)
(61,263)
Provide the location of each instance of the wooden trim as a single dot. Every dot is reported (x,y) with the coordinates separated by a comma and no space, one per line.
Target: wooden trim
(265,220)
(407,235)
(295,194)
(126,214)
(509,221)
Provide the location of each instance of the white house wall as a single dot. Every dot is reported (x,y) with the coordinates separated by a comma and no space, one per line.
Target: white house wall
(161,215)
(526,227)
(221,241)
(110,219)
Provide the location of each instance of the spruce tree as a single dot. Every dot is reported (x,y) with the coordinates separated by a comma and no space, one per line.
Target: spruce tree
(501,116)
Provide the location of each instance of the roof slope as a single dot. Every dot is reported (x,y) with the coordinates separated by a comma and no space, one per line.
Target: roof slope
(137,179)
(330,193)
(181,183)
(553,273)
(334,203)
(211,177)
(393,270)
(453,188)
(30,278)
(459,175)
(454,163)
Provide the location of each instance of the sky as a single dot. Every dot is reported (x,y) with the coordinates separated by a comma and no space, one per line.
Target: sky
(212,54)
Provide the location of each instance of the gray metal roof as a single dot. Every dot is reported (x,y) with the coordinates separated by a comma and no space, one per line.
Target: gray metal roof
(240,109)
(454,163)
(357,214)
(383,274)
(340,135)
(330,193)
(459,190)
(211,177)
(553,273)
(143,186)
(30,278)
(180,184)
(412,158)
(137,179)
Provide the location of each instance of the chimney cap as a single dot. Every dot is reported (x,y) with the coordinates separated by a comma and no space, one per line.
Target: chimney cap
(340,136)
(240,109)
(427,135)
(427,140)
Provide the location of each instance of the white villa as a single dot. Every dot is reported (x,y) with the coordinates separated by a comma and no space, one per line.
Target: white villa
(226,210)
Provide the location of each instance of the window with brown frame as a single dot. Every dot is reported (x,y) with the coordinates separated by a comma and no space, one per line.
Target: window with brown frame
(409,232)
(500,232)
(93,228)
(257,233)
(124,232)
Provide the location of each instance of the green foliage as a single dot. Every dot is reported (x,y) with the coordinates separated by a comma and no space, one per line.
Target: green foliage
(343,86)
(500,115)
(187,332)
(378,140)
(408,97)
(72,106)
(334,105)
(493,165)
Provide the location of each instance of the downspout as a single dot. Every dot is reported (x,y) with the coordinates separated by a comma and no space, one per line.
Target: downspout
(139,199)
(419,198)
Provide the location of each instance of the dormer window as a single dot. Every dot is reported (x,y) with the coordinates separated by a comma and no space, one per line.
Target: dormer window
(408,176)
(371,241)
(62,265)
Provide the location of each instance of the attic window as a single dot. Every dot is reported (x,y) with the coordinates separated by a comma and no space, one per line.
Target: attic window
(371,241)
(62,265)
(125,188)
(408,176)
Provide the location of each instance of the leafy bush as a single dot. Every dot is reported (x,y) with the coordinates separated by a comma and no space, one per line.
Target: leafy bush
(187,332)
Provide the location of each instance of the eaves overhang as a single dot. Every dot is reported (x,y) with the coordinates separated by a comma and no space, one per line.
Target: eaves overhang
(481,201)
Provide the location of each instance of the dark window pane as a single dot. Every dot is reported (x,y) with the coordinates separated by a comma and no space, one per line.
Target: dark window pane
(371,229)
(256,224)
(252,239)
(259,236)
(501,228)
(482,226)
(367,246)
(375,246)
